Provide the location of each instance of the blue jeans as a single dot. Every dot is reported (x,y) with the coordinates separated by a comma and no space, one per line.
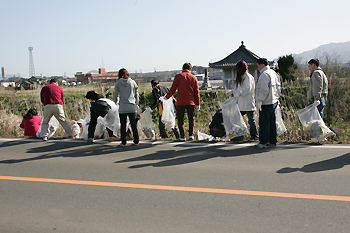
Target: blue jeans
(252,126)
(132,119)
(321,106)
(267,124)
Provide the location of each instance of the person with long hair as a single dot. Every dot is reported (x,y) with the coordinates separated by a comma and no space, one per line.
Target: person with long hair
(31,123)
(128,104)
(244,92)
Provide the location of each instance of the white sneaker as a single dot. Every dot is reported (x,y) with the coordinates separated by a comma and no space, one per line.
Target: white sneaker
(121,144)
(191,138)
(261,146)
(44,138)
(182,139)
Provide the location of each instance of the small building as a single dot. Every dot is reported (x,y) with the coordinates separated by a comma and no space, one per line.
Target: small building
(101,77)
(228,65)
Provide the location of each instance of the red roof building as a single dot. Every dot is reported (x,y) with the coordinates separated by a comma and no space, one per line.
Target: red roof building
(101,77)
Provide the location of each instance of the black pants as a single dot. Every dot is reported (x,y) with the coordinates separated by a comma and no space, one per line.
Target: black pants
(132,119)
(162,130)
(93,123)
(180,119)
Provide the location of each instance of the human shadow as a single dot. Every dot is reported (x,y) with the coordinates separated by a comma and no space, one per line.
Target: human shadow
(190,155)
(15,143)
(325,165)
(82,151)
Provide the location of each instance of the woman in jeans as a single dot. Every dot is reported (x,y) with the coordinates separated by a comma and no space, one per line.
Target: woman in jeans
(127,89)
(244,92)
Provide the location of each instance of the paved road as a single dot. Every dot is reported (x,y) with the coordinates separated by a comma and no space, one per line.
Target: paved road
(69,186)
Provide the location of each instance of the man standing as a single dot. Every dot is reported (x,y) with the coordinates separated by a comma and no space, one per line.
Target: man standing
(318,86)
(267,93)
(52,97)
(188,98)
(157,92)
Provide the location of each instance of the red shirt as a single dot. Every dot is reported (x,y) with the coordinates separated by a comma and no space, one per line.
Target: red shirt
(31,125)
(187,89)
(52,94)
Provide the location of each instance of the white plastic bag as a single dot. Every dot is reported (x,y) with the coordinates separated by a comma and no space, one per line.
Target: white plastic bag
(203,136)
(312,121)
(281,128)
(147,124)
(168,115)
(53,126)
(111,119)
(100,128)
(233,120)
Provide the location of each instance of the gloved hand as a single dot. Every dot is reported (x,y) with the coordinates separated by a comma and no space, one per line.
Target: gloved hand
(236,96)
(165,97)
(228,93)
(198,108)
(258,105)
(149,109)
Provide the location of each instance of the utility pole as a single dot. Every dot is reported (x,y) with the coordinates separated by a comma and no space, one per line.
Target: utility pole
(31,63)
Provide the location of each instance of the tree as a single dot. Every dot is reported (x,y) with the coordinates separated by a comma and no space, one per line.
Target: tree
(287,67)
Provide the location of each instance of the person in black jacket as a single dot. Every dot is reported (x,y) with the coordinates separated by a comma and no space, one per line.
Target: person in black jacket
(159,91)
(98,108)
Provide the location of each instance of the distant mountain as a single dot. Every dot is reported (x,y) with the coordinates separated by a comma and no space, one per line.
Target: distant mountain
(339,50)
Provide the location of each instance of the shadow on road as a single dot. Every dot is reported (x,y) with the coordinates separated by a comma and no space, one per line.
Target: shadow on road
(325,165)
(192,155)
(72,150)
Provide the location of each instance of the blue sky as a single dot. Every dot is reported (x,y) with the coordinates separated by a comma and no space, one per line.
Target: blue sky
(70,36)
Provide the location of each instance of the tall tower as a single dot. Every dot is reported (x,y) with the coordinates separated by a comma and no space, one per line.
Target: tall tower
(31,63)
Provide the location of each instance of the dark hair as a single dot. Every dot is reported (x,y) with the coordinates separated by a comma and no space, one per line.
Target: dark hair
(314,61)
(187,66)
(54,80)
(154,82)
(263,61)
(92,95)
(31,112)
(241,68)
(122,72)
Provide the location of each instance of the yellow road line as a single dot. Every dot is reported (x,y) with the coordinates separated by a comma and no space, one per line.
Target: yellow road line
(183,189)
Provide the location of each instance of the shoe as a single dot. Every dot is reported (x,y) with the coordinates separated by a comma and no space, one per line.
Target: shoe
(272,144)
(253,139)
(44,138)
(191,138)
(113,139)
(182,139)
(262,146)
(90,140)
(136,144)
(122,145)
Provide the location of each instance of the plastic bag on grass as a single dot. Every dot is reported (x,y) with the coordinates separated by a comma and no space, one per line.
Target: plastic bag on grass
(99,130)
(168,116)
(312,121)
(147,124)
(281,128)
(53,126)
(204,137)
(233,120)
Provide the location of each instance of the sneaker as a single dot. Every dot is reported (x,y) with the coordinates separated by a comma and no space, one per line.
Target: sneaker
(182,139)
(44,138)
(191,138)
(90,140)
(261,146)
(136,144)
(272,144)
(122,145)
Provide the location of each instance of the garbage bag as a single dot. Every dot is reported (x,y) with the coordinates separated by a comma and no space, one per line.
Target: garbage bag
(99,130)
(312,122)
(53,126)
(281,128)
(111,119)
(233,120)
(203,136)
(168,116)
(147,124)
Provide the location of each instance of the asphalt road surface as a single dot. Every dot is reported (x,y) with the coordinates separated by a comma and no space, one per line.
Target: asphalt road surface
(72,186)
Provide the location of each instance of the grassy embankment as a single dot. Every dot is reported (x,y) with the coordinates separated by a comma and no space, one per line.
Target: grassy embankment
(13,105)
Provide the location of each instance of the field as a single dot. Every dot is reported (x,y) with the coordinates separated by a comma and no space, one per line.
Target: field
(14,104)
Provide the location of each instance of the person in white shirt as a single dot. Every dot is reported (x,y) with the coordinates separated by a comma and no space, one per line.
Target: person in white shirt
(267,93)
(243,92)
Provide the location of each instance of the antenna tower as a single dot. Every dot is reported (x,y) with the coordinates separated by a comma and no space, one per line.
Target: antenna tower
(31,63)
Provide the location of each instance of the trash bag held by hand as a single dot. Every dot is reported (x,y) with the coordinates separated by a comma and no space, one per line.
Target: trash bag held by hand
(147,124)
(312,121)
(233,120)
(281,128)
(168,116)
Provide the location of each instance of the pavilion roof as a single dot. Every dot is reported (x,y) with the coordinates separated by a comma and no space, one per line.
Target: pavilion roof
(242,53)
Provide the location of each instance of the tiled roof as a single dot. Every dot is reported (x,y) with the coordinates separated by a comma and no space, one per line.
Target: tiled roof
(240,54)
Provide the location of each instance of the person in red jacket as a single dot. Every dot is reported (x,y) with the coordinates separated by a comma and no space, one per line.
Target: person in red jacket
(52,97)
(31,123)
(188,98)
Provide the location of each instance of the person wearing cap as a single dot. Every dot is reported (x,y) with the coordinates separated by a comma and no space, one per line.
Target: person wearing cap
(99,108)
(52,97)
